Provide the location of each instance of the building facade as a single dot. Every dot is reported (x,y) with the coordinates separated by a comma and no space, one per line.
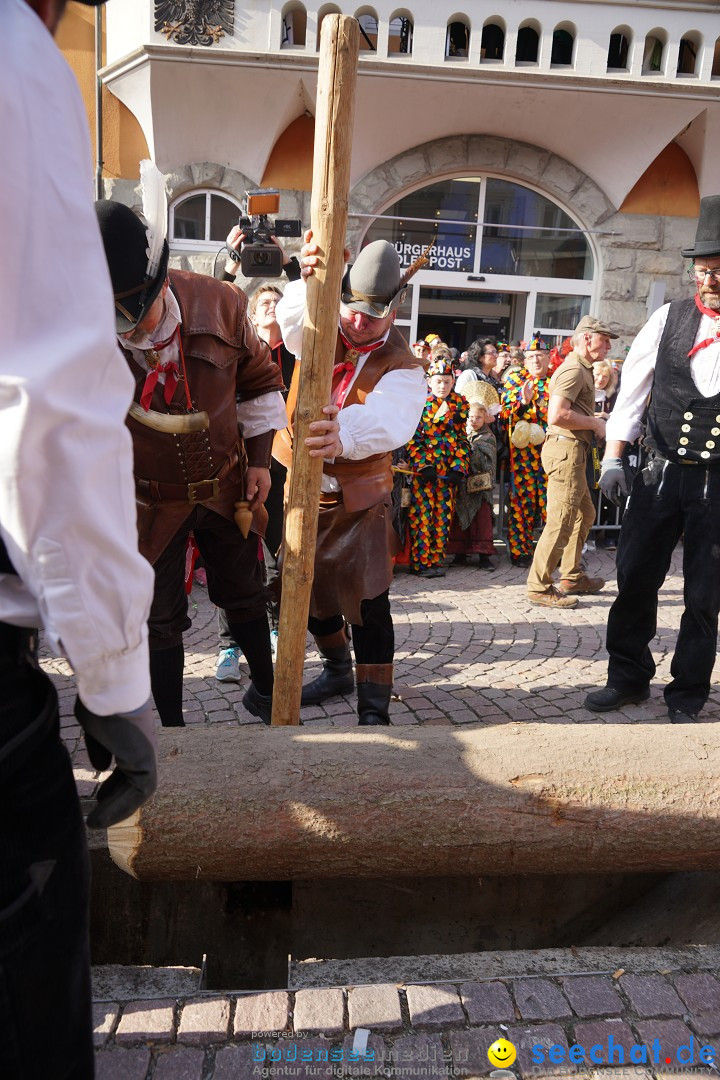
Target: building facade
(556,152)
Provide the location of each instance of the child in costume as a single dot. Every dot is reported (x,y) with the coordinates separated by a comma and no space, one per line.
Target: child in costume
(524,408)
(438,453)
(472,528)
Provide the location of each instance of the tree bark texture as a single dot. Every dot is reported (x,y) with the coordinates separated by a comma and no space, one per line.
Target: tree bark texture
(328,220)
(237,804)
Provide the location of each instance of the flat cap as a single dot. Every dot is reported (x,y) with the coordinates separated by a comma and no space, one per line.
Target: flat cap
(590,325)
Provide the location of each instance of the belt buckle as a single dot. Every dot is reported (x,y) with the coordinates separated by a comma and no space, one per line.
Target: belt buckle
(193,496)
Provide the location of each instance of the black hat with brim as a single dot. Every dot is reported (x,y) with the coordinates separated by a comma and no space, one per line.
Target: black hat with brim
(707,237)
(125,241)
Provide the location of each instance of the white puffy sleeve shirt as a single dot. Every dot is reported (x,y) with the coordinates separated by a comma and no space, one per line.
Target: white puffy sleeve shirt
(67,505)
(391,412)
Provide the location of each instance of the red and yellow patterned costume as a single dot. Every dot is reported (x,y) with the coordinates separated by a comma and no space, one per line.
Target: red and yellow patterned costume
(439,445)
(528,482)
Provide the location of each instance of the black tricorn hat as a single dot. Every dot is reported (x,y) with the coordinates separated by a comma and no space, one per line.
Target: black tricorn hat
(125,240)
(707,237)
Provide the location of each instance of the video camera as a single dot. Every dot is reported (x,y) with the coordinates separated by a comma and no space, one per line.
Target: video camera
(259,257)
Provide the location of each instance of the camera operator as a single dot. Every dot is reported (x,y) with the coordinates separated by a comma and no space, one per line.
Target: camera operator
(236,238)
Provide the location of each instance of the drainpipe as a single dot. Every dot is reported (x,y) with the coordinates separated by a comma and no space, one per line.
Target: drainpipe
(98,105)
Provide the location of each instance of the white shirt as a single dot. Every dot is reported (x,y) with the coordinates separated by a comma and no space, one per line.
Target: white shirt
(391,411)
(625,421)
(255,416)
(67,502)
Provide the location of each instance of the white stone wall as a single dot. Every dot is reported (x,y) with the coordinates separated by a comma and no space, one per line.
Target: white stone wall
(258,29)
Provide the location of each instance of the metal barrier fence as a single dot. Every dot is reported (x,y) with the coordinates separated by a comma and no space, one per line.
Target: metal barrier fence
(608,518)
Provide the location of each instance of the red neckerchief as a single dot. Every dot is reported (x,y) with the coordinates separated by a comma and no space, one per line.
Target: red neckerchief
(343,372)
(715,316)
(169,369)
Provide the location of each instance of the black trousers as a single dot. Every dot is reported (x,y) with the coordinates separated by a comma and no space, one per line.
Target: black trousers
(374,640)
(234,575)
(45,1011)
(668,501)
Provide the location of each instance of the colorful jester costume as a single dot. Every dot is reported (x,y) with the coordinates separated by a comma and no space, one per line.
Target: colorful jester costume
(528,483)
(439,455)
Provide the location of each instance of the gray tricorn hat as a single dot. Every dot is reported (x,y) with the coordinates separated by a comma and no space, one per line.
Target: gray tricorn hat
(707,237)
(373,284)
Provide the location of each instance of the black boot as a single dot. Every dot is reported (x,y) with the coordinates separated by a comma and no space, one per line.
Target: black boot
(258,704)
(337,675)
(166,683)
(374,687)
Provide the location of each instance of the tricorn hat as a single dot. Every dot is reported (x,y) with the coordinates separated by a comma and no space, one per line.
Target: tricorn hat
(707,237)
(125,240)
(374,284)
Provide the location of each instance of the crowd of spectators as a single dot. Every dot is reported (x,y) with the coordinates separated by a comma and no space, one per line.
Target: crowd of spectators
(465,464)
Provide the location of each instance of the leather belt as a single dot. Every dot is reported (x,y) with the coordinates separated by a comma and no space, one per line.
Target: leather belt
(199,491)
(566,438)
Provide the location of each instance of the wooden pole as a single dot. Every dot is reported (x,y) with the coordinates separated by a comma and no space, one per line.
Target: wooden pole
(328,221)
(237,804)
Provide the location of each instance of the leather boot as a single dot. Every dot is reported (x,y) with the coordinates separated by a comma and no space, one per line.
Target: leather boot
(337,674)
(374,687)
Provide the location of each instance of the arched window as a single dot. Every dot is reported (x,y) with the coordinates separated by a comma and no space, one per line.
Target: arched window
(327,9)
(715,73)
(492,44)
(457,40)
(528,44)
(654,52)
(400,33)
(523,232)
(619,49)
(690,45)
(202,218)
(563,45)
(294,24)
(368,23)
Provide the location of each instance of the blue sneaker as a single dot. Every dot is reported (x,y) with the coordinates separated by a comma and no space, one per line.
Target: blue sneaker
(228,665)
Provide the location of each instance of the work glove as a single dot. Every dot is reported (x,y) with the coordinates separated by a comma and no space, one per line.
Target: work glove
(614,480)
(130,739)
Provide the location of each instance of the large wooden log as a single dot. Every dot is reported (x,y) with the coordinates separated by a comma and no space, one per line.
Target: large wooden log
(328,219)
(237,804)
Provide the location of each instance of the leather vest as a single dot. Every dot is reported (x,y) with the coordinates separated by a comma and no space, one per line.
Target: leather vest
(224,359)
(368,481)
(682,425)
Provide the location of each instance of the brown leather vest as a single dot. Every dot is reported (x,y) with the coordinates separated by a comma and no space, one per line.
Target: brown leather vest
(224,358)
(368,481)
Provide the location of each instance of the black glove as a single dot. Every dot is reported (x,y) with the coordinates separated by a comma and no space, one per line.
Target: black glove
(130,739)
(454,478)
(615,482)
(429,473)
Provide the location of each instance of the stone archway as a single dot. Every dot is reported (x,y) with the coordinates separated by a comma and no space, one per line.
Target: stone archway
(459,155)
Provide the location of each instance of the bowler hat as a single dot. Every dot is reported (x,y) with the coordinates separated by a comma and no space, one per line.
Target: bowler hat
(707,237)
(372,284)
(125,240)
(590,325)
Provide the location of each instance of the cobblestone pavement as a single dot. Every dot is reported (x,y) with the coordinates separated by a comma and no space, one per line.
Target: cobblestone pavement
(471,649)
(420,1031)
